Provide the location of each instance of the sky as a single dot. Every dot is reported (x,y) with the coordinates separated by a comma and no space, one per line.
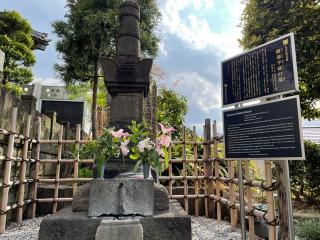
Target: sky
(196,35)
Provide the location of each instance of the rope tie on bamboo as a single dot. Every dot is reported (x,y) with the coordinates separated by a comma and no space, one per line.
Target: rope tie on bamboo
(7,159)
(232,206)
(248,183)
(216,178)
(219,200)
(4,185)
(3,212)
(272,187)
(229,180)
(273,222)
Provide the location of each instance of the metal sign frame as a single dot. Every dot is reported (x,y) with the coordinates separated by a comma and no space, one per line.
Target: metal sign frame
(271,158)
(295,71)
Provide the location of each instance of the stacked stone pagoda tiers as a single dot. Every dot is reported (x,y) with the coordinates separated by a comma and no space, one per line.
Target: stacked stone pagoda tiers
(128,76)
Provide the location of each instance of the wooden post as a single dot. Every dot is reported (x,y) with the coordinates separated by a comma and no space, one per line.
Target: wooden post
(249,197)
(216,169)
(270,200)
(170,170)
(76,161)
(195,172)
(22,171)
(7,172)
(206,182)
(285,204)
(34,172)
(185,181)
(232,197)
(208,167)
(56,187)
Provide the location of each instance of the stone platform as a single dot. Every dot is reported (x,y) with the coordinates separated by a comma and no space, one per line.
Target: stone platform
(68,225)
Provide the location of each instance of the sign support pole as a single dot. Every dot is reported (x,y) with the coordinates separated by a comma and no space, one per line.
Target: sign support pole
(241,196)
(241,200)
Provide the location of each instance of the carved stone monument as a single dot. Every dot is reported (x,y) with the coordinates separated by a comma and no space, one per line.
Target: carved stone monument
(125,207)
(2,56)
(128,76)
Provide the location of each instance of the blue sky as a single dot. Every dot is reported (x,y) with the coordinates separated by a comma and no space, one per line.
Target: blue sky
(196,36)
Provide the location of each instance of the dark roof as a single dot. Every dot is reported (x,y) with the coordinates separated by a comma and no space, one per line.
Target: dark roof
(40,40)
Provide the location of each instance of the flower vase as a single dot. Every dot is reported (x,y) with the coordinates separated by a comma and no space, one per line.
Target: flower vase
(146,170)
(102,171)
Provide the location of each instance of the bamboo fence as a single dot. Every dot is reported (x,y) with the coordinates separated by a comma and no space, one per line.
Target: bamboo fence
(205,179)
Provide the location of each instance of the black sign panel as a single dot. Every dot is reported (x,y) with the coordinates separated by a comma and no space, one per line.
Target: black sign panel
(267,131)
(266,70)
(67,111)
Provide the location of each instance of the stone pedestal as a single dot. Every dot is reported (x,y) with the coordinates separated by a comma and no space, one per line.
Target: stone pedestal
(121,197)
(67,225)
(119,230)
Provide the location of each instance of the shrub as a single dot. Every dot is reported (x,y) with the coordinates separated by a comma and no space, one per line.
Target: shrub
(305,175)
(309,230)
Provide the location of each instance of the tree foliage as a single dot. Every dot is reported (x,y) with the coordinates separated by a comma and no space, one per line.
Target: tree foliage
(90,30)
(265,20)
(305,175)
(172,109)
(16,42)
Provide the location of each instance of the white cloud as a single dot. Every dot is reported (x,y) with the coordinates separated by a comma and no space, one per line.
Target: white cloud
(197,31)
(199,91)
(48,81)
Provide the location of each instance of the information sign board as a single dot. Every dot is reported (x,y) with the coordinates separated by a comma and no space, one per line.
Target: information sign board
(267,70)
(268,131)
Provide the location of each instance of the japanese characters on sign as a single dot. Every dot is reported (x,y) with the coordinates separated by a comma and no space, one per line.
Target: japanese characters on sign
(269,69)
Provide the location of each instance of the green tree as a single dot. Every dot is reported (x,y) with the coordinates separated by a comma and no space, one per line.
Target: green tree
(172,109)
(16,42)
(89,30)
(264,20)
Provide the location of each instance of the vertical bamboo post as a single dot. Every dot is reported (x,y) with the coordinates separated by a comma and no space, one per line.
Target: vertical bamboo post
(56,187)
(249,197)
(204,157)
(76,161)
(7,172)
(34,172)
(208,168)
(170,170)
(270,200)
(22,171)
(185,181)
(195,171)
(216,169)
(232,197)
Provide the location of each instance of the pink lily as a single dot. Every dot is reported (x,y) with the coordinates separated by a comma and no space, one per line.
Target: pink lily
(124,148)
(165,140)
(166,130)
(119,134)
(159,150)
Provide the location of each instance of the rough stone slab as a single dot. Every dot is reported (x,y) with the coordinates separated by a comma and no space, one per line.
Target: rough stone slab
(161,198)
(120,230)
(80,201)
(121,197)
(67,225)
(81,198)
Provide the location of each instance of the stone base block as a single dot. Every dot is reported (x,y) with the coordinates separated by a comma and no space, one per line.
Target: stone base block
(119,230)
(121,197)
(174,224)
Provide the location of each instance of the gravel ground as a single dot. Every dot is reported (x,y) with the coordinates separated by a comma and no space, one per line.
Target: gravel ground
(209,229)
(202,229)
(28,230)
